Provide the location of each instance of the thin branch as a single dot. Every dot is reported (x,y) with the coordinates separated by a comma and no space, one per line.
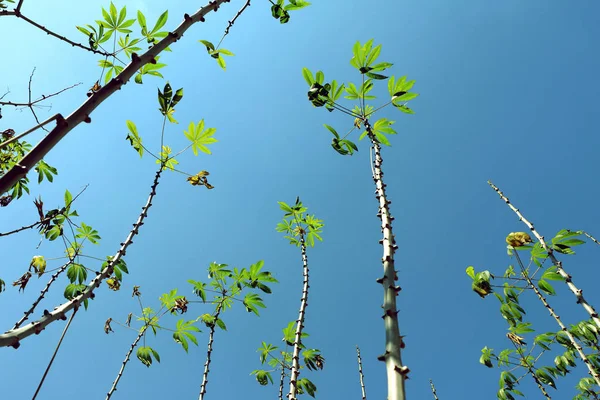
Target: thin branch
(124,364)
(360,375)
(281,382)
(591,237)
(563,328)
(54,355)
(230,23)
(42,294)
(38,100)
(433,390)
(27,132)
(568,279)
(14,336)
(210,348)
(17,13)
(396,371)
(82,114)
(531,371)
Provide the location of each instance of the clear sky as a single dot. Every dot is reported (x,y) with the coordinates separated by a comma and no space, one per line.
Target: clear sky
(508,92)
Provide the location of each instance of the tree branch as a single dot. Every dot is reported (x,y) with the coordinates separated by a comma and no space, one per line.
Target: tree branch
(82,114)
(54,355)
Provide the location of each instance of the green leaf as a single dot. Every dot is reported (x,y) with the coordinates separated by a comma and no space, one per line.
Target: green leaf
(546,287)
(332,130)
(262,377)
(162,20)
(134,138)
(87,232)
(200,137)
(76,273)
(308,76)
(145,353)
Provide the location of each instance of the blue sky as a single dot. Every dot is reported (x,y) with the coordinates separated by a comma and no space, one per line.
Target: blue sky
(508,92)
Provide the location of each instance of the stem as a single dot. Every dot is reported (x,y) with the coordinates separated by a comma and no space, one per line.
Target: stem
(281,382)
(82,114)
(531,371)
(396,371)
(42,294)
(433,390)
(292,395)
(210,349)
(17,13)
(54,355)
(563,328)
(361,376)
(568,279)
(14,336)
(124,364)
(591,237)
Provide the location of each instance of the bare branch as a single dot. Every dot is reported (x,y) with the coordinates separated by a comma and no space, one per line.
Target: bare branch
(210,348)
(396,371)
(124,364)
(230,23)
(82,114)
(27,132)
(433,390)
(54,355)
(361,376)
(17,13)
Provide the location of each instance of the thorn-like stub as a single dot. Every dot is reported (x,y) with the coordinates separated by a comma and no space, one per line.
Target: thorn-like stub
(403,370)
(396,289)
(135,58)
(187,17)
(383,356)
(46,313)
(16,344)
(380,280)
(153,61)
(37,328)
(87,119)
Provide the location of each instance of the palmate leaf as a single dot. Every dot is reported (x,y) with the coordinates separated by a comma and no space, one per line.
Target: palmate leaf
(145,355)
(252,301)
(184,332)
(262,377)
(200,137)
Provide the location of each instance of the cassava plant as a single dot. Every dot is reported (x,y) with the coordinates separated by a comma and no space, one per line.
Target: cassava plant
(301,230)
(326,95)
(577,341)
(281,362)
(228,286)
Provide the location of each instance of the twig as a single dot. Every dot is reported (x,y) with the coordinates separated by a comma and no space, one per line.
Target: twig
(82,114)
(562,326)
(433,390)
(396,371)
(281,381)
(360,374)
(13,336)
(40,99)
(54,355)
(124,364)
(531,371)
(230,23)
(568,279)
(210,349)
(591,237)
(17,13)
(27,132)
